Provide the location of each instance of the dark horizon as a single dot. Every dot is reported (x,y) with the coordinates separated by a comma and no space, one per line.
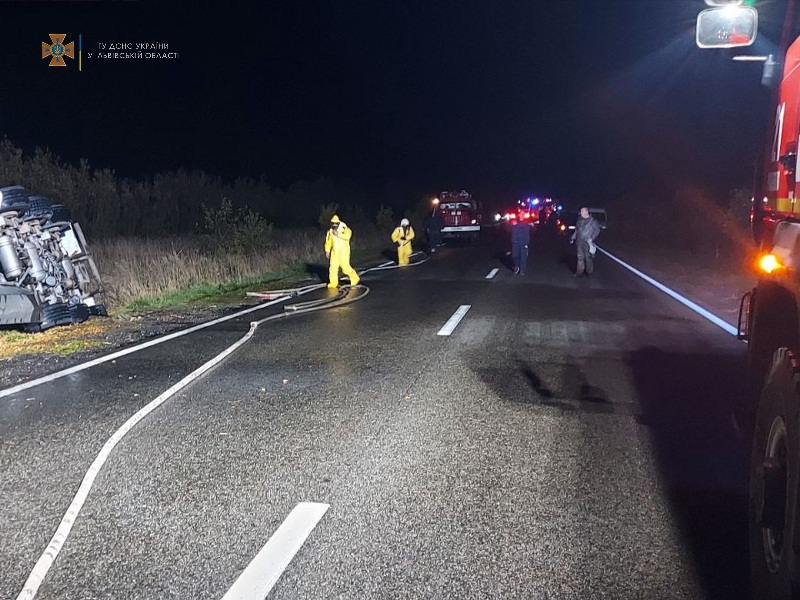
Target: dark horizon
(576,100)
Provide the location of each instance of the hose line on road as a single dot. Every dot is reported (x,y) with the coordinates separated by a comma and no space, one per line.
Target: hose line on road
(393,265)
(159,340)
(273,296)
(50,554)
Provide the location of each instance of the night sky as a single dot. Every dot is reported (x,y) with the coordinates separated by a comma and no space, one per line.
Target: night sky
(579,100)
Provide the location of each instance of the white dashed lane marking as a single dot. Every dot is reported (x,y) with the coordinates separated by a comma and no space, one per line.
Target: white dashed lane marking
(453,322)
(268,565)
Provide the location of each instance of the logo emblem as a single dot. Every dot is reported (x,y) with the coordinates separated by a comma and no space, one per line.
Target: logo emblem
(58,50)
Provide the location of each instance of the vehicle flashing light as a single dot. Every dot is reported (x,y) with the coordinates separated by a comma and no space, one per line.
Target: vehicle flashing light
(769,263)
(535,201)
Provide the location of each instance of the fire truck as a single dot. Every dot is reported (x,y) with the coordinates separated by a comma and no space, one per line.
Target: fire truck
(460,214)
(769,316)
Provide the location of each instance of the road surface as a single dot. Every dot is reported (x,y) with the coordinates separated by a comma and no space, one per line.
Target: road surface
(569,439)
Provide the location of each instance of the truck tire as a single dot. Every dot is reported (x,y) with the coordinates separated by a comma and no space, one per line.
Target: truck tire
(774,325)
(79,313)
(774,468)
(13,198)
(60,219)
(39,208)
(52,315)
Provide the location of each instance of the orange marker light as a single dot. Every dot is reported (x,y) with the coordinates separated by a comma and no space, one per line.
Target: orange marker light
(769,263)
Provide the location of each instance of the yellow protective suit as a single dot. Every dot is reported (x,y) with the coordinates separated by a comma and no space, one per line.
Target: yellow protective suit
(402,237)
(337,248)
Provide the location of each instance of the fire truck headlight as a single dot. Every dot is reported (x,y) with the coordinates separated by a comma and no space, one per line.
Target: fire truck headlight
(474,221)
(769,263)
(497,217)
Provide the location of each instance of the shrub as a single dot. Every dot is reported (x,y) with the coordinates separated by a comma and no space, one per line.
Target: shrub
(238,231)
(326,212)
(385,218)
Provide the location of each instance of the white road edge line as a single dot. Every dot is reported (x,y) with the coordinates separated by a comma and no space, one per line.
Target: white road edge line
(57,375)
(685,301)
(268,565)
(46,560)
(492,273)
(453,322)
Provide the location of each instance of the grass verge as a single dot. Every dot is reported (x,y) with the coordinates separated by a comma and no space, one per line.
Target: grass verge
(148,277)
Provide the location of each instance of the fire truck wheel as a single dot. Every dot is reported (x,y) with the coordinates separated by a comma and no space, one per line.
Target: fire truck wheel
(774,466)
(774,325)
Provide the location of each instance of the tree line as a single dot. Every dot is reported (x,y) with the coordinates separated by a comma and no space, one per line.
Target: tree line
(171,203)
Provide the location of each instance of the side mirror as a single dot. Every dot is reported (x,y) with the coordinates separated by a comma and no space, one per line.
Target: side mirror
(727,27)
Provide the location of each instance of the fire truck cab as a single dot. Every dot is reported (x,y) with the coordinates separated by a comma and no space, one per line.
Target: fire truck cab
(780,202)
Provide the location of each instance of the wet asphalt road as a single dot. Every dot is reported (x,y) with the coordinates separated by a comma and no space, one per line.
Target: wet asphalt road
(570,439)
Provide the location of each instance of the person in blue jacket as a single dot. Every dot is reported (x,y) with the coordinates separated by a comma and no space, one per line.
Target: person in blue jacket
(520,239)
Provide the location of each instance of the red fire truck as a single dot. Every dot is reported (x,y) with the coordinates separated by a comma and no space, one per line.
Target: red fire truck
(769,316)
(460,214)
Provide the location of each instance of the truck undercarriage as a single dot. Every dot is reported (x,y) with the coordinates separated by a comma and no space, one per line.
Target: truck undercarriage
(47,275)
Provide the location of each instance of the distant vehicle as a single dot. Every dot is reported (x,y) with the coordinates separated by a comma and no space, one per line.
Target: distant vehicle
(600,215)
(461,215)
(534,210)
(47,275)
(525,215)
(564,221)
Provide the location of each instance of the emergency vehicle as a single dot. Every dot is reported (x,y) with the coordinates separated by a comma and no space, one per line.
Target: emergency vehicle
(460,214)
(769,316)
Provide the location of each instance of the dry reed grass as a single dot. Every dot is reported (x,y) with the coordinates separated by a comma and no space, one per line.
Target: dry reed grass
(140,269)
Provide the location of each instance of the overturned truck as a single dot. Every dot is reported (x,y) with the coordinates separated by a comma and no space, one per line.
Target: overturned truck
(47,275)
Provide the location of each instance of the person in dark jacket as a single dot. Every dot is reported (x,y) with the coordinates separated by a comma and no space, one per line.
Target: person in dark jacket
(434,229)
(520,239)
(586,231)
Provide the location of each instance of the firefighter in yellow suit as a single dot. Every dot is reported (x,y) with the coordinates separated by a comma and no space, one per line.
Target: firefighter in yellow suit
(337,249)
(402,236)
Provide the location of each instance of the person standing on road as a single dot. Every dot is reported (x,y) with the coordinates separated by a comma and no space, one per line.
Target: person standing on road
(520,240)
(586,231)
(434,229)
(337,249)
(402,236)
